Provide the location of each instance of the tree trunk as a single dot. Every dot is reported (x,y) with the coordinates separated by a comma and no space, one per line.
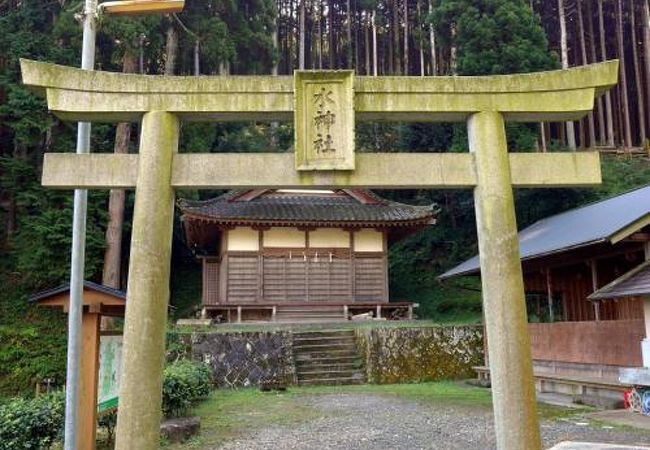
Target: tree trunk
(348,29)
(374,43)
(452,51)
(358,19)
(171,50)
(583,49)
(420,41)
(320,35)
(197,58)
(301,33)
(366,46)
(592,54)
(640,91)
(570,132)
(111,275)
(276,63)
(432,43)
(330,21)
(646,54)
(627,131)
(608,96)
(406,37)
(396,62)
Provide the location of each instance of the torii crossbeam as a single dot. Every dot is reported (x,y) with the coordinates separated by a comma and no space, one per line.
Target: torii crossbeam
(324,106)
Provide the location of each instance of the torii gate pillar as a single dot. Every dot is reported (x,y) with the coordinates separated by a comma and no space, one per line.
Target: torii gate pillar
(324,158)
(143,352)
(504,305)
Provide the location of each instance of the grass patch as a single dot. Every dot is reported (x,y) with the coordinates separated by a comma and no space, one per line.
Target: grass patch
(228,414)
(445,393)
(255,327)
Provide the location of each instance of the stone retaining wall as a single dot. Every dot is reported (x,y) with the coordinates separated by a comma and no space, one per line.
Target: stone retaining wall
(391,354)
(417,354)
(246,358)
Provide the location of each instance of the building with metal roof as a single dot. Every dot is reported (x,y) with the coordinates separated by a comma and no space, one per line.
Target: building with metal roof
(599,251)
(607,221)
(635,283)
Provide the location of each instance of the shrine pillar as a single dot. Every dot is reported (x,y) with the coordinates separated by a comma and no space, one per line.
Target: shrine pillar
(504,306)
(138,425)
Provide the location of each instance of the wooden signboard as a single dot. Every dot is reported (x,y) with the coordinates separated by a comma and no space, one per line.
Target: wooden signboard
(324,120)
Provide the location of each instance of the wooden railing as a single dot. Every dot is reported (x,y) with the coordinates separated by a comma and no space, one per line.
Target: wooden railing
(609,342)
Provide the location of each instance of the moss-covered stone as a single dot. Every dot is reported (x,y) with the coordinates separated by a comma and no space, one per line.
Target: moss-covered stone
(418,354)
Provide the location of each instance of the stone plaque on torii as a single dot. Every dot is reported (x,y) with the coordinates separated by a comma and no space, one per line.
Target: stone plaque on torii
(324,107)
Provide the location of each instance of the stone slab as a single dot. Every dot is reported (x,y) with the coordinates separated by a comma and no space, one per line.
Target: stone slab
(181,429)
(75,94)
(272,170)
(568,445)
(623,417)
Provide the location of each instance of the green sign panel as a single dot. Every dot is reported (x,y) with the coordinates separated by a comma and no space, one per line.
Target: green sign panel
(110,365)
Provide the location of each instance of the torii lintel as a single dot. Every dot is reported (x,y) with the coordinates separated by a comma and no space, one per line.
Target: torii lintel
(75,94)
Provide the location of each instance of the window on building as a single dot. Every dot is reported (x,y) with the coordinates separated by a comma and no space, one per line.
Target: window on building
(539,309)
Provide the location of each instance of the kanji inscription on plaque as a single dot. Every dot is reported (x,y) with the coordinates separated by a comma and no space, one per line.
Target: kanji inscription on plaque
(324,120)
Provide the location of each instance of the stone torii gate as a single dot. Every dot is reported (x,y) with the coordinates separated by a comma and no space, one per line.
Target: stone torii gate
(324,107)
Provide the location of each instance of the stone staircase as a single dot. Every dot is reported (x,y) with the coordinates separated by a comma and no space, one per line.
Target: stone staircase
(309,313)
(327,358)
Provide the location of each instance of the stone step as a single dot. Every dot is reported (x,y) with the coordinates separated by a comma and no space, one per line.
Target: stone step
(326,360)
(314,320)
(304,376)
(327,368)
(320,347)
(329,309)
(325,353)
(323,334)
(331,381)
(334,340)
(307,315)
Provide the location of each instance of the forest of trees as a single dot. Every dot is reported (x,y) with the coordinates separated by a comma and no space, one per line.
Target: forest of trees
(220,37)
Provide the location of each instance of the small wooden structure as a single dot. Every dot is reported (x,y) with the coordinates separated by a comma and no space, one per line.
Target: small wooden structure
(98,301)
(298,255)
(565,259)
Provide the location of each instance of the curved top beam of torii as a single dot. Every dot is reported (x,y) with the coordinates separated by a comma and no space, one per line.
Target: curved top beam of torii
(75,94)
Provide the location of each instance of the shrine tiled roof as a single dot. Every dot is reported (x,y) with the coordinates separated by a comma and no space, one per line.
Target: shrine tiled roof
(306,207)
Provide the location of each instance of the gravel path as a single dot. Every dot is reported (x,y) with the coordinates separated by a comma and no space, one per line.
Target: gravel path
(375,422)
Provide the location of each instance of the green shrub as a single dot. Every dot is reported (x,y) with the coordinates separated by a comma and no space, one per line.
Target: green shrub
(32,423)
(108,422)
(184,384)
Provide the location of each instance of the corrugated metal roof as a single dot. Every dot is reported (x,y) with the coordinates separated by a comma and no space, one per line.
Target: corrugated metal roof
(303,207)
(635,283)
(579,227)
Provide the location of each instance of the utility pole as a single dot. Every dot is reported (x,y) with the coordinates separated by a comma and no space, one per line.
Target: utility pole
(78,249)
(80,208)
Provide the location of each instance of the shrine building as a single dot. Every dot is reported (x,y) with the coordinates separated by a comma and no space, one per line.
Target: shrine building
(291,255)
(584,279)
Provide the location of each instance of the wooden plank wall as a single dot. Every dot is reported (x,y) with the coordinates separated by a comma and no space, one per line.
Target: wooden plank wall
(610,342)
(278,278)
(369,278)
(575,283)
(242,282)
(210,282)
